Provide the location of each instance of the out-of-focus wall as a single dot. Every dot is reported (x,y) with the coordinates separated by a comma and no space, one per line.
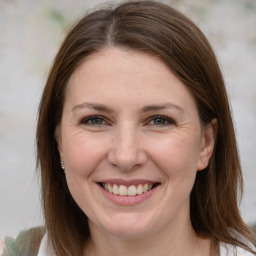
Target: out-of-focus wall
(30,33)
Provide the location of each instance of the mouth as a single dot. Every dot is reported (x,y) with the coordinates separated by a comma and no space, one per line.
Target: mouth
(131,190)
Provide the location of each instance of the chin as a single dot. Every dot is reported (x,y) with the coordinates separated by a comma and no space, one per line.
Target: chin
(128,232)
(128,227)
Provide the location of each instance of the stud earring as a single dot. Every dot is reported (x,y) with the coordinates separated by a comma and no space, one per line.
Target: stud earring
(62,165)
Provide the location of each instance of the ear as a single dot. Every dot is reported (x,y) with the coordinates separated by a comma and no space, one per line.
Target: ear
(207,144)
(58,138)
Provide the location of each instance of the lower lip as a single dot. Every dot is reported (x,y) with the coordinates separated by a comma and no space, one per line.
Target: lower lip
(127,200)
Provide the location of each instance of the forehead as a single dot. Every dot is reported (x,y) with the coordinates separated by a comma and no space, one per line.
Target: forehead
(114,62)
(127,75)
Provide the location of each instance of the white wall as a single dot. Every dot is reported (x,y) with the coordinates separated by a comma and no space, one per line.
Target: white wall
(30,32)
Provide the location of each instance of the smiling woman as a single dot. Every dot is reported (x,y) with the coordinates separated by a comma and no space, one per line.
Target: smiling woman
(135,141)
(134,152)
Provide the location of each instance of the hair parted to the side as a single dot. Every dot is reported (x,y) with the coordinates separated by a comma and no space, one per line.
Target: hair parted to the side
(161,31)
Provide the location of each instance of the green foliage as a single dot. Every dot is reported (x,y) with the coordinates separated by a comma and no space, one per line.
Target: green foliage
(26,244)
(10,247)
(57,17)
(249,5)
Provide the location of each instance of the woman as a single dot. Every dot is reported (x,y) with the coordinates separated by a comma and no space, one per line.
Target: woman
(135,141)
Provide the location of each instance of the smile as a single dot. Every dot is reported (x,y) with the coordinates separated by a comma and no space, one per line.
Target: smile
(123,190)
(128,192)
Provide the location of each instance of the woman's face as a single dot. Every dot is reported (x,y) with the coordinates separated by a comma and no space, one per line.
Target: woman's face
(132,143)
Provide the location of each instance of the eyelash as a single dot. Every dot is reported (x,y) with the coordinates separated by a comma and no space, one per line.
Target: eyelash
(86,121)
(167,120)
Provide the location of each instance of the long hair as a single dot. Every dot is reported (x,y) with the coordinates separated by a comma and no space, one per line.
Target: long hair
(161,31)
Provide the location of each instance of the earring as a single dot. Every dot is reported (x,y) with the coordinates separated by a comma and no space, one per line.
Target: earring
(62,165)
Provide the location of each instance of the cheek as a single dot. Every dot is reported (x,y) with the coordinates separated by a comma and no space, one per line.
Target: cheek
(176,156)
(177,160)
(82,154)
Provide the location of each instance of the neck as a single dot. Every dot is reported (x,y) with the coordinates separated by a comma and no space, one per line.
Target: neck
(175,242)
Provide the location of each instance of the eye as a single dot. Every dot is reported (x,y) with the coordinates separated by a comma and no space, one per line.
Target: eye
(160,121)
(93,120)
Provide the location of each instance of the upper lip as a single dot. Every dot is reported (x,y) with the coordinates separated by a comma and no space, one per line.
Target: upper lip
(128,182)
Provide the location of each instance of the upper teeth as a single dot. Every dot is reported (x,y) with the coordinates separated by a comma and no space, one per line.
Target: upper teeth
(123,190)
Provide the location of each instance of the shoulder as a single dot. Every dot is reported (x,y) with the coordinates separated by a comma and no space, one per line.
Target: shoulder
(232,250)
(27,243)
(45,249)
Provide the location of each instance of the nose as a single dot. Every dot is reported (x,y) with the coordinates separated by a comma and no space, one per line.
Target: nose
(126,150)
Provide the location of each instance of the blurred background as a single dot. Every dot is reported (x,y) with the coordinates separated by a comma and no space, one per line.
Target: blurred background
(30,34)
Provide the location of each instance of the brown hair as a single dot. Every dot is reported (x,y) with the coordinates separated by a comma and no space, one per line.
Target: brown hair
(161,31)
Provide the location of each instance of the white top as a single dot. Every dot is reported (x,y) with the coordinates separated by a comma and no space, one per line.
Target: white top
(43,249)
(225,249)
(229,250)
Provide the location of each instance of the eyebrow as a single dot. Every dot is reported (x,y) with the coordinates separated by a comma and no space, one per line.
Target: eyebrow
(148,108)
(161,107)
(95,106)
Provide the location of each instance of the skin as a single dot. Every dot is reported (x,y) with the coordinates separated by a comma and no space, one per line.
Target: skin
(127,141)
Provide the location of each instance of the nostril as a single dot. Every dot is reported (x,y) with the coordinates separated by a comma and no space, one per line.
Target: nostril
(127,160)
